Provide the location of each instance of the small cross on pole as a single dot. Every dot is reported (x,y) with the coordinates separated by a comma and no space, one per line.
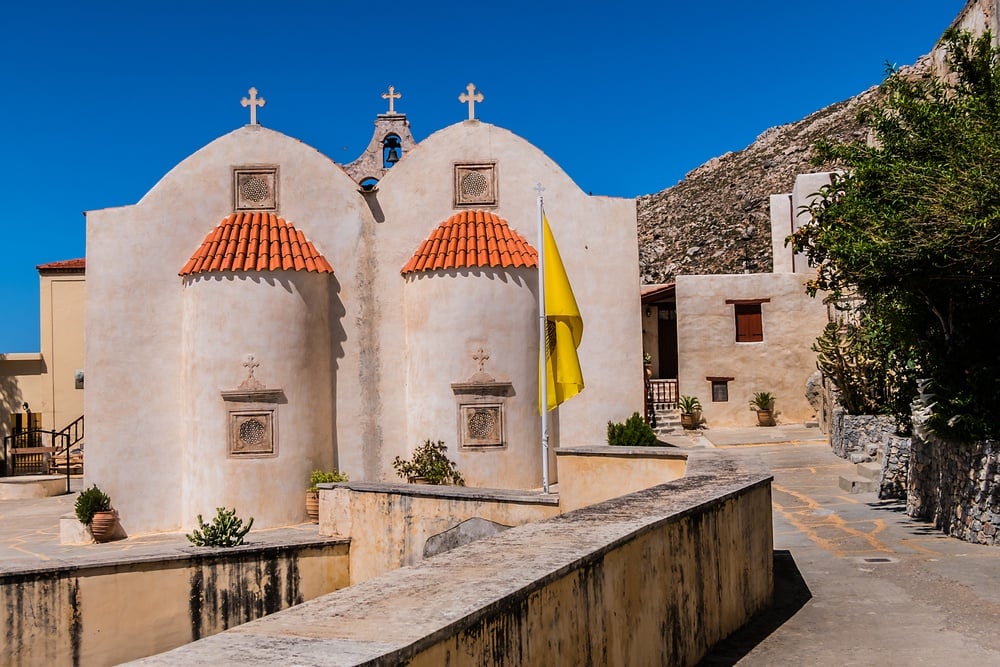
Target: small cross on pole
(471,96)
(392,96)
(253,102)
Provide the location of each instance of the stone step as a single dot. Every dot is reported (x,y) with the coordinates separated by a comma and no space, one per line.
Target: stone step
(857,484)
(869,470)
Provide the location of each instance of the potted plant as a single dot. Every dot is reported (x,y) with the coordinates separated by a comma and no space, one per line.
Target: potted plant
(690,408)
(763,403)
(93,509)
(429,465)
(312,493)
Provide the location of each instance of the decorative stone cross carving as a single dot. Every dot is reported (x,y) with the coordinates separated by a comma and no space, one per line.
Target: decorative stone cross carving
(481,357)
(539,189)
(471,97)
(251,364)
(253,102)
(392,96)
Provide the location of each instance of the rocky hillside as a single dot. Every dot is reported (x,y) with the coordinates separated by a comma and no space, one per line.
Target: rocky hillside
(695,226)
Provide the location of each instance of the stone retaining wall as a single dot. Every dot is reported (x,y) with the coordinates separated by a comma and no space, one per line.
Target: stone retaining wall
(957,486)
(895,467)
(860,437)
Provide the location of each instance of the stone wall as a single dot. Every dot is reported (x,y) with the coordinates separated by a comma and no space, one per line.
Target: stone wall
(956,485)
(895,467)
(860,437)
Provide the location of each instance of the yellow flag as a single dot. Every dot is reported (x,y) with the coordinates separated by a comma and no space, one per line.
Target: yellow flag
(563,327)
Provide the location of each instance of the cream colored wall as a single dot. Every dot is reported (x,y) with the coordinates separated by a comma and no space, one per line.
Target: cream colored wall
(439,345)
(390,524)
(136,405)
(105,615)
(291,344)
(159,359)
(597,241)
(707,347)
(595,474)
(62,313)
(46,380)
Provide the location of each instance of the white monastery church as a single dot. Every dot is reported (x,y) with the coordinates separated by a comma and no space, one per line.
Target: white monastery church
(264,311)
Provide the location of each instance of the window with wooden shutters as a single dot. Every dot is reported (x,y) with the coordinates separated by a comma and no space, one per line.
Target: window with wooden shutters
(749,322)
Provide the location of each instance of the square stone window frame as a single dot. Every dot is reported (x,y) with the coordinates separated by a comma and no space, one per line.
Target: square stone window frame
(270,170)
(472,395)
(248,403)
(461,169)
(466,441)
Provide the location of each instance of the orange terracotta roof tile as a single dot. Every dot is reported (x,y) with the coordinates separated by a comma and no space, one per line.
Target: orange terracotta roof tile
(255,241)
(64,266)
(472,239)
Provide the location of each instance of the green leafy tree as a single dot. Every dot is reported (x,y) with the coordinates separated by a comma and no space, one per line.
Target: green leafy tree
(912,227)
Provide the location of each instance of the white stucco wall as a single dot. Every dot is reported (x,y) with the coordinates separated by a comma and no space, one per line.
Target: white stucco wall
(499,307)
(136,368)
(365,358)
(281,319)
(781,363)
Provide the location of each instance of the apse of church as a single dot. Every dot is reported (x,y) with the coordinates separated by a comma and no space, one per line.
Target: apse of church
(293,314)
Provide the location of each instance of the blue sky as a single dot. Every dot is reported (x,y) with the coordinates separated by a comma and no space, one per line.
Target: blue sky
(98,100)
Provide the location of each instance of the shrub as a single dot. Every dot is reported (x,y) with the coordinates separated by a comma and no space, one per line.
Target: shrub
(762,400)
(633,432)
(89,502)
(325,477)
(226,530)
(430,461)
(689,404)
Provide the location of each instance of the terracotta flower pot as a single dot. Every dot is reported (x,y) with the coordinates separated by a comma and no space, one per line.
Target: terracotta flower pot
(312,506)
(689,421)
(765,418)
(103,525)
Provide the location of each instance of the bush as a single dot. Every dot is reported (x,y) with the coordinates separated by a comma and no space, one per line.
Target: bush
(226,530)
(634,432)
(324,477)
(430,462)
(89,502)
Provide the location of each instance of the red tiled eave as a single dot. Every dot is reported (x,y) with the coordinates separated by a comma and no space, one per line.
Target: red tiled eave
(472,239)
(255,241)
(64,266)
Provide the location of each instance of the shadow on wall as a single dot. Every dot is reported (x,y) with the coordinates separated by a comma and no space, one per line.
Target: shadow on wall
(790,594)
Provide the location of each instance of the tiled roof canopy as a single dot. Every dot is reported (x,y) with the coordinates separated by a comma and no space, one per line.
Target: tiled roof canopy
(470,239)
(255,241)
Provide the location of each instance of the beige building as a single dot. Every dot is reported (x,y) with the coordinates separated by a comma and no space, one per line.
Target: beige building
(723,338)
(261,312)
(50,381)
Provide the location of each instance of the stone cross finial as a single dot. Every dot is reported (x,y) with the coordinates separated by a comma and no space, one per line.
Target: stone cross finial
(253,102)
(471,96)
(392,96)
(251,382)
(481,357)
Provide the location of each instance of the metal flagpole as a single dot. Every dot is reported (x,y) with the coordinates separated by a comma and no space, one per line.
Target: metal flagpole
(543,383)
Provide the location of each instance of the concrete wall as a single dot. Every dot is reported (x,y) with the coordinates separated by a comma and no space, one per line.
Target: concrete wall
(390,525)
(103,614)
(652,578)
(781,363)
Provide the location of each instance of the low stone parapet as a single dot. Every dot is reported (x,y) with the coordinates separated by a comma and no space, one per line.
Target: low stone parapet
(654,577)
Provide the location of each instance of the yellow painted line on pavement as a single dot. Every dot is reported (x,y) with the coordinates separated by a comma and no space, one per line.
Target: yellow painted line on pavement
(796,518)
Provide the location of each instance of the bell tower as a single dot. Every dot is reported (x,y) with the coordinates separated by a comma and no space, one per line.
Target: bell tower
(390,142)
